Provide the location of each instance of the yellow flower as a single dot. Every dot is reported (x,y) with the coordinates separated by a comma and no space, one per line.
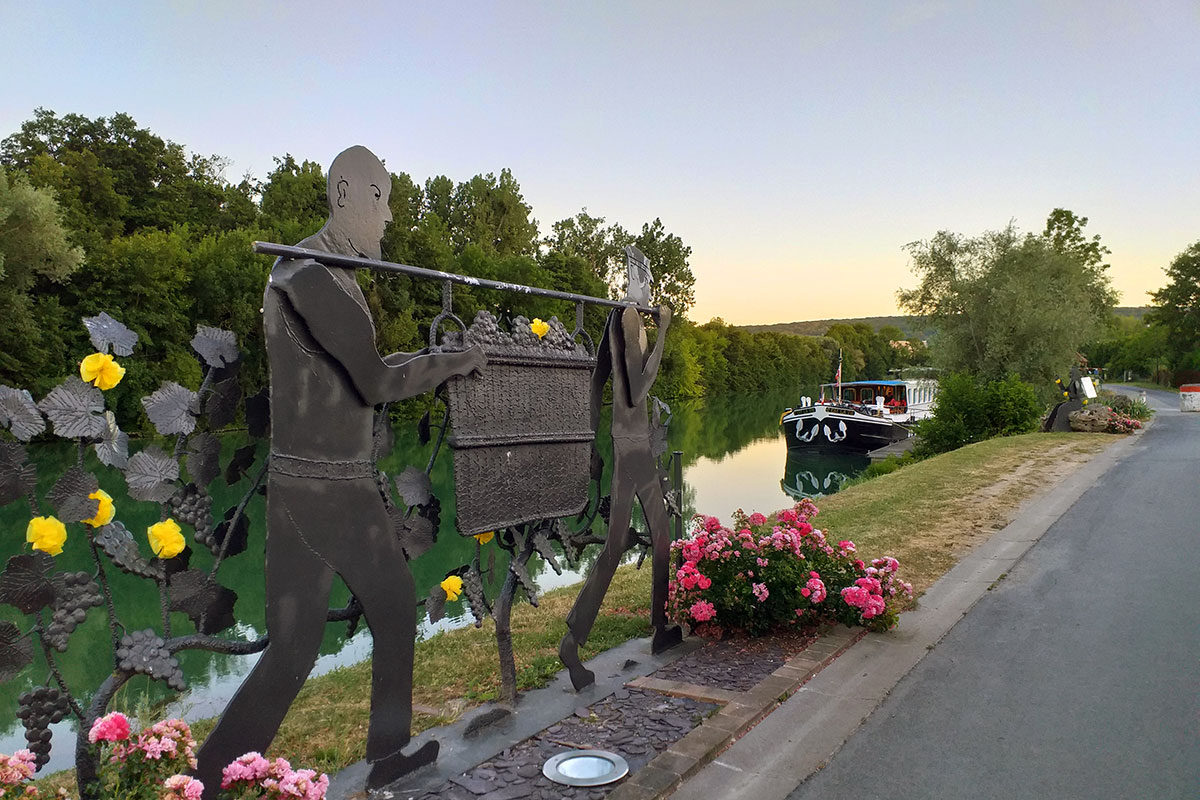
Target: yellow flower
(484,538)
(165,539)
(105,513)
(539,327)
(452,586)
(46,534)
(101,370)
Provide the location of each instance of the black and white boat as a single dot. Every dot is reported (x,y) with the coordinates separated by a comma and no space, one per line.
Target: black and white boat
(859,415)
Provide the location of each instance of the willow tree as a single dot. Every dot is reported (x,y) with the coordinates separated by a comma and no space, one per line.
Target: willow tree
(1007,303)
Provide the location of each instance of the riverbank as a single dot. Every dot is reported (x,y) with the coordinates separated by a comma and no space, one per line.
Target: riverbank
(928,515)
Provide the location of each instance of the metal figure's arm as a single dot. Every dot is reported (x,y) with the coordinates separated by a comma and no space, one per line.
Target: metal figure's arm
(641,376)
(602,372)
(344,330)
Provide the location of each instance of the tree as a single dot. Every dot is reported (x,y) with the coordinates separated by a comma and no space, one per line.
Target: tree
(1005,303)
(1177,307)
(601,247)
(34,253)
(674,283)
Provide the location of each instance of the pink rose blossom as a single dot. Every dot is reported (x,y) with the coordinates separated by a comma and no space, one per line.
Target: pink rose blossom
(757,519)
(112,727)
(182,787)
(18,767)
(760,591)
(814,590)
(703,611)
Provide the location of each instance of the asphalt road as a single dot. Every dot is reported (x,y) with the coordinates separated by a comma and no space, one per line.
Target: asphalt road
(1078,675)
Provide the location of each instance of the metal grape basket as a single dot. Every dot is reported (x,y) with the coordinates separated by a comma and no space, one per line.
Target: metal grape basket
(521,432)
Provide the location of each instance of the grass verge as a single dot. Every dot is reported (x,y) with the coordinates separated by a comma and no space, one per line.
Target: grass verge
(927,515)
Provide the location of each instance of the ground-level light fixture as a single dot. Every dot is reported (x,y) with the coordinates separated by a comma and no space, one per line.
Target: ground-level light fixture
(585,768)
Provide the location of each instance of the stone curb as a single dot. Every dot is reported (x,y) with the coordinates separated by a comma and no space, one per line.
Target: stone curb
(740,712)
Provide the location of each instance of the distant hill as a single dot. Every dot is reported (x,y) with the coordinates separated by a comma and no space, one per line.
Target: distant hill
(912,327)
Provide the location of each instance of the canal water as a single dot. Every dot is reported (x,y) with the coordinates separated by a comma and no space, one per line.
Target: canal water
(733,455)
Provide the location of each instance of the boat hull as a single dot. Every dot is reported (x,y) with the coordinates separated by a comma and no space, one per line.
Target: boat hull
(839,430)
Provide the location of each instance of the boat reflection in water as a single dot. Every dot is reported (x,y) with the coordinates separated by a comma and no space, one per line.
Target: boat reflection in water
(810,473)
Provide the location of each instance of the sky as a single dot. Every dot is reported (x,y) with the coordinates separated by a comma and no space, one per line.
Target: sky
(796,147)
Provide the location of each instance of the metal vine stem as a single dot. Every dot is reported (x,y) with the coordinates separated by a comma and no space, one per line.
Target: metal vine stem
(54,671)
(237,515)
(110,607)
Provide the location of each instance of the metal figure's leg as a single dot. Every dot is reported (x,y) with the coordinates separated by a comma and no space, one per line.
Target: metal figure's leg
(298,583)
(381,580)
(587,604)
(654,507)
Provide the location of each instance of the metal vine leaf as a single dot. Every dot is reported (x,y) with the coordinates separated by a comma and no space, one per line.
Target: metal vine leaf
(672,498)
(220,402)
(17,477)
(517,566)
(151,475)
(661,416)
(25,583)
(258,414)
(414,486)
(172,409)
(423,429)
(542,543)
(117,543)
(106,331)
(240,533)
(20,414)
(435,604)
(243,459)
(16,651)
(203,451)
(416,533)
(113,447)
(207,603)
(76,409)
(69,497)
(216,346)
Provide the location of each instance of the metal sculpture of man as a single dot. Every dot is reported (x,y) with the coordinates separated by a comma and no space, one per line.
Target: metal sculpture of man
(325,513)
(623,355)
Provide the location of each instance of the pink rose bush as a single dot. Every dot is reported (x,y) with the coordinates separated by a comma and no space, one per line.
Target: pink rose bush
(153,765)
(761,573)
(1121,423)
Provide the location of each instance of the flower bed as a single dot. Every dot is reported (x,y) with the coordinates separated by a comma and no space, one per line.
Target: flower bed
(153,765)
(764,573)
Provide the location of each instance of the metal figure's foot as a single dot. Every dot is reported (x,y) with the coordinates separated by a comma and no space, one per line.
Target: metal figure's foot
(397,765)
(568,653)
(665,638)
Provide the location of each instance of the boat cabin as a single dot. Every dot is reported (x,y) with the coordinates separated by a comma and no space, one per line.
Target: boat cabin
(895,396)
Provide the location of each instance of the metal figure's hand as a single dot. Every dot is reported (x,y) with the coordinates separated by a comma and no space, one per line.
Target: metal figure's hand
(664,316)
(474,362)
(597,465)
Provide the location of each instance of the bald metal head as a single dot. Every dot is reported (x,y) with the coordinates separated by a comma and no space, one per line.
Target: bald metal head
(358,189)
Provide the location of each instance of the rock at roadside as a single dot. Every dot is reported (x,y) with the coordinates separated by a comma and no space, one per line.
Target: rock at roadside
(1091,420)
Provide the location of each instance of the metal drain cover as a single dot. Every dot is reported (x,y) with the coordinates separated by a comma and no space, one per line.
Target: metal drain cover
(585,768)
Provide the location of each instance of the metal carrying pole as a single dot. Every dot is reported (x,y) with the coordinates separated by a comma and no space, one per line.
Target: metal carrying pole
(358,262)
